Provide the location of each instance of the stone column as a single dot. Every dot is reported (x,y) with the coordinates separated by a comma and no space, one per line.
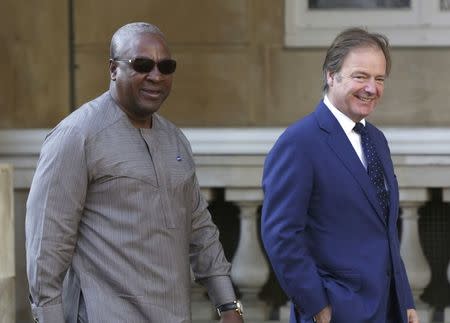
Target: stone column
(250,270)
(7,269)
(417,268)
(285,312)
(446,198)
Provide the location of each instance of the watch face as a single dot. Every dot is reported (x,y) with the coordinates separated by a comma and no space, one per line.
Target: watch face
(240,308)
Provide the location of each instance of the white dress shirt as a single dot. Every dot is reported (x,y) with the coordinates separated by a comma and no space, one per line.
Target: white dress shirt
(347,125)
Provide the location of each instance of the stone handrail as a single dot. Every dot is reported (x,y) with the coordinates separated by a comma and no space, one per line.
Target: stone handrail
(411,148)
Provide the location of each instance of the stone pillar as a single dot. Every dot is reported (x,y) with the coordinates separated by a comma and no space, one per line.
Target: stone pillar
(250,270)
(7,269)
(417,268)
(446,198)
(285,312)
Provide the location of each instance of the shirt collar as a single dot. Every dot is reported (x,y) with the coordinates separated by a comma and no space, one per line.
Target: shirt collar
(346,123)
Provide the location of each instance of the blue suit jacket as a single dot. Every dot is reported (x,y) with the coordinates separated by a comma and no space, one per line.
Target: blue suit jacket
(322,227)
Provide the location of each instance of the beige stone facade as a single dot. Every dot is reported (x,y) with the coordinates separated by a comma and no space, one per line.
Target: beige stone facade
(234,69)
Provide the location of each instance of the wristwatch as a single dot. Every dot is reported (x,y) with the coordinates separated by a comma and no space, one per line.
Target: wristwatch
(234,305)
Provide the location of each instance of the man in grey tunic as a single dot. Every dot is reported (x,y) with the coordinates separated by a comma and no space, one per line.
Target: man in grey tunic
(115,217)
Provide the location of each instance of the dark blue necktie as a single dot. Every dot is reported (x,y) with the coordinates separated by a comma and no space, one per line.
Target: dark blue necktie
(374,167)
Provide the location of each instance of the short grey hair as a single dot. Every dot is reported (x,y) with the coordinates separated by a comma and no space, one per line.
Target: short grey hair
(348,40)
(129,30)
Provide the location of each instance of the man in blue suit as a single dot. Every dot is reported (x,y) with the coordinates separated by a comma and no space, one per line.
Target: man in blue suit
(331,198)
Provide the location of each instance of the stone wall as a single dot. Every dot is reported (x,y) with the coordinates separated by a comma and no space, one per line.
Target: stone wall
(233,67)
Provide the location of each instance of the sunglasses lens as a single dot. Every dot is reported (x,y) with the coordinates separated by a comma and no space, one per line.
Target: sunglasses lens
(143,65)
(167,66)
(146,65)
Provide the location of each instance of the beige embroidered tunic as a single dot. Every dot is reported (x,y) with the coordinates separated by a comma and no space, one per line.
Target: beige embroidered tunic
(121,210)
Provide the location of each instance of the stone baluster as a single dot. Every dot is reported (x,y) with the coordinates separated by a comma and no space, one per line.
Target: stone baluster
(250,270)
(446,198)
(285,312)
(7,267)
(202,308)
(417,268)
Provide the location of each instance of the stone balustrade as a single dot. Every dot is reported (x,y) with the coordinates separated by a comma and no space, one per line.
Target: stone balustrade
(232,159)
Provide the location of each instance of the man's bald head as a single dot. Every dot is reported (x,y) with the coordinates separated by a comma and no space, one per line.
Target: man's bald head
(127,32)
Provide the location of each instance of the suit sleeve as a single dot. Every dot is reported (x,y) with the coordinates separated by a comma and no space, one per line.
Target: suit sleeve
(407,289)
(409,301)
(54,208)
(288,181)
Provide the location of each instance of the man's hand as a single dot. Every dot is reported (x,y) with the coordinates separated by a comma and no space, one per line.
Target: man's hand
(412,316)
(324,316)
(231,317)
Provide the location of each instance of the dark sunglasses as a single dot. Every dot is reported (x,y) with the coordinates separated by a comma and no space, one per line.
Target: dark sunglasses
(146,65)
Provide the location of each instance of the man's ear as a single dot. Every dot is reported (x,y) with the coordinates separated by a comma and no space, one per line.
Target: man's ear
(330,78)
(112,69)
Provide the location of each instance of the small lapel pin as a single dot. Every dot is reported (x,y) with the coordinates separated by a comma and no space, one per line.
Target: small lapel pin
(179,158)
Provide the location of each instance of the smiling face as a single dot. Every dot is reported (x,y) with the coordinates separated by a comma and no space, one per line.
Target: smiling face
(357,88)
(140,94)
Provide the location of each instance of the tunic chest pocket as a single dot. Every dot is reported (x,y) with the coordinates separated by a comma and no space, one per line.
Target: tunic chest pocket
(141,171)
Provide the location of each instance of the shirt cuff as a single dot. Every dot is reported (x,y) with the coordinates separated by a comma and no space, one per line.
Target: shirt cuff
(220,289)
(48,314)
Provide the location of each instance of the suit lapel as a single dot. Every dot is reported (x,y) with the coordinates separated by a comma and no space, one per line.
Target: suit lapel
(341,146)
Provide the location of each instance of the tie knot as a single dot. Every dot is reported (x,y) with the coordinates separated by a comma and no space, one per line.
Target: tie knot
(359,128)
